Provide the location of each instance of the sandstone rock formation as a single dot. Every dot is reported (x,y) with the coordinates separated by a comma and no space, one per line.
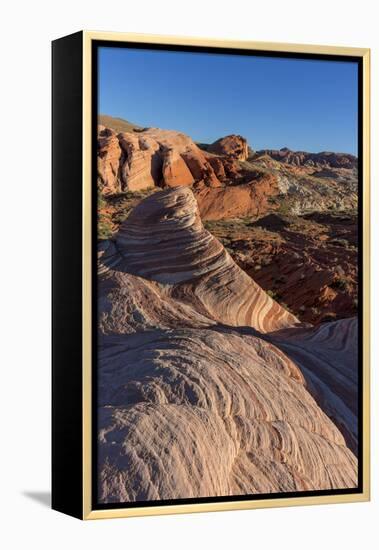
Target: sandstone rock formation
(226,180)
(233,146)
(131,161)
(164,240)
(108,160)
(328,356)
(208,387)
(141,164)
(232,201)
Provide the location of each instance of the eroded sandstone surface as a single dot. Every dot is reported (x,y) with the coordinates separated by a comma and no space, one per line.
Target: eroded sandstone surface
(150,157)
(207,385)
(233,146)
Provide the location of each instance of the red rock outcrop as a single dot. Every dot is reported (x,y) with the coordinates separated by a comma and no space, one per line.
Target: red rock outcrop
(233,146)
(217,164)
(152,157)
(175,169)
(246,199)
(208,387)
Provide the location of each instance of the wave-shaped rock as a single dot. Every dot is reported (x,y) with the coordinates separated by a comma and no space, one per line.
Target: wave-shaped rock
(208,387)
(164,240)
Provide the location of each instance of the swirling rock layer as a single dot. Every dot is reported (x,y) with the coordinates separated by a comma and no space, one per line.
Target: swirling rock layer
(328,356)
(208,387)
(164,240)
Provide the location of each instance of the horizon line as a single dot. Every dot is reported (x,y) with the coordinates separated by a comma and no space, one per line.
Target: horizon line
(340,152)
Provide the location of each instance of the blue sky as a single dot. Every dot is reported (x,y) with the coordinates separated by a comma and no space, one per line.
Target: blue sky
(273,102)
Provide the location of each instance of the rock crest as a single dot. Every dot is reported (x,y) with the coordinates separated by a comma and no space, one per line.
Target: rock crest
(131,161)
(233,147)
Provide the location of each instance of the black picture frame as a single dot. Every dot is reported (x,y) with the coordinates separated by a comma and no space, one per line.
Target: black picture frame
(69,93)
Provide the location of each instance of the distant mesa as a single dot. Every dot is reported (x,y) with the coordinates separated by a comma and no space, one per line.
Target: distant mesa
(301,158)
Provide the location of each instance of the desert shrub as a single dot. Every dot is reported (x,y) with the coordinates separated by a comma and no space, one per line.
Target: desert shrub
(272,200)
(341,283)
(266,261)
(101,202)
(284,209)
(104,230)
(274,295)
(120,217)
(286,307)
(225,241)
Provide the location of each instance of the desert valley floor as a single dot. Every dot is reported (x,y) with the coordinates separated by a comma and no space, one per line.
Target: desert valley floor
(227,298)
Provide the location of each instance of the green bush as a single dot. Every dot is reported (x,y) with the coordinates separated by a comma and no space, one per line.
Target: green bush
(274,295)
(341,283)
(104,230)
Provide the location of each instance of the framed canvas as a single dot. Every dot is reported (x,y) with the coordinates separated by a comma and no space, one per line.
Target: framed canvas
(210,275)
